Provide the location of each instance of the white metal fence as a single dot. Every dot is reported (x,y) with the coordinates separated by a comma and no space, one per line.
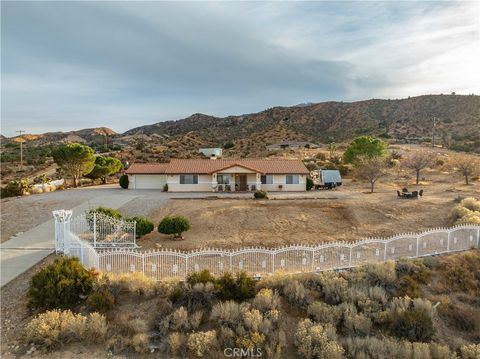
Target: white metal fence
(98,229)
(164,264)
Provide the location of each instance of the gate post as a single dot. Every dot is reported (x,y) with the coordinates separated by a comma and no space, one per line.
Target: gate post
(94,229)
(62,230)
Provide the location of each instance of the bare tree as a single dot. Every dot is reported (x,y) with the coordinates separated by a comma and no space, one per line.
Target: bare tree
(418,161)
(371,169)
(466,165)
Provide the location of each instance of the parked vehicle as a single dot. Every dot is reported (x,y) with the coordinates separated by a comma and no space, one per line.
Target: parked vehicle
(328,179)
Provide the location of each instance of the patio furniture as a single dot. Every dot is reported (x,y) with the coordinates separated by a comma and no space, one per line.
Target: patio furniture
(404,190)
(399,195)
(253,188)
(228,188)
(420,193)
(220,188)
(414,194)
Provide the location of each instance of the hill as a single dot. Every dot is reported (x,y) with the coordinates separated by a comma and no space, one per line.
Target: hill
(410,120)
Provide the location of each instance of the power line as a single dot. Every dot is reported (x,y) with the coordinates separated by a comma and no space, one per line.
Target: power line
(21,132)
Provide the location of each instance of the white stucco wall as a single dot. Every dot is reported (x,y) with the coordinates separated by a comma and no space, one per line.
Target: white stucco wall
(281,180)
(204,184)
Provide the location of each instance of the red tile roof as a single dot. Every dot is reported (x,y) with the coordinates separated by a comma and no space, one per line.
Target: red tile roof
(147,168)
(202,166)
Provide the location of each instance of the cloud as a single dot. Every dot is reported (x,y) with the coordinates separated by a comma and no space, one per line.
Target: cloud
(122,64)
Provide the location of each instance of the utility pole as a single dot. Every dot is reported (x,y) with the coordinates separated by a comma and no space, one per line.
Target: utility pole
(433,132)
(20,132)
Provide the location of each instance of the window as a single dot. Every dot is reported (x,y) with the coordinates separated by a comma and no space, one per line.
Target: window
(292,179)
(188,179)
(268,179)
(223,179)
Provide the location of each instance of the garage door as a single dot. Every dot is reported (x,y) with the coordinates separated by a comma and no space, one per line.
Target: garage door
(149,181)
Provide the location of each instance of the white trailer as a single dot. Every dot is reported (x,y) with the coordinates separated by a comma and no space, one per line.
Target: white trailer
(328,179)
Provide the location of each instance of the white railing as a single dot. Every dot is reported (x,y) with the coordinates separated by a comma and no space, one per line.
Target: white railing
(103,231)
(165,263)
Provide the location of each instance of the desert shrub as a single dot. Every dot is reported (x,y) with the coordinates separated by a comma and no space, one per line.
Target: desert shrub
(227,313)
(295,293)
(111,212)
(203,276)
(259,194)
(15,188)
(195,297)
(143,225)
(239,288)
(414,325)
(177,342)
(100,300)
(134,282)
(123,181)
(470,351)
(41,179)
(228,144)
(309,184)
(316,341)
(266,300)
(334,288)
(471,203)
(324,313)
(175,225)
(460,278)
(382,274)
(371,347)
(140,343)
(201,343)
(461,318)
(356,324)
(61,284)
(54,327)
(179,319)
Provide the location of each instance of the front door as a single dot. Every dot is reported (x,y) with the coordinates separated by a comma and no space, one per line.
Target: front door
(243,183)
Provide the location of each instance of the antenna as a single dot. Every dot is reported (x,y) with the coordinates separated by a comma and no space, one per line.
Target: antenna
(21,132)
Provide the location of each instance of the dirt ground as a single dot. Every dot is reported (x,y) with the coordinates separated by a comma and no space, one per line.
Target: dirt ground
(347,214)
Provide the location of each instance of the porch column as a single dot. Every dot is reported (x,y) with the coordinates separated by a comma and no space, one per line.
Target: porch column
(214,182)
(259,181)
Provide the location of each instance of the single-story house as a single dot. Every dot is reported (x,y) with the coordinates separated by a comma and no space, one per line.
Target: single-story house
(207,175)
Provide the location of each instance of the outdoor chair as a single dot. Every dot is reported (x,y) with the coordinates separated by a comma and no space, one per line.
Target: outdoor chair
(228,188)
(404,189)
(420,193)
(253,188)
(415,194)
(399,195)
(220,188)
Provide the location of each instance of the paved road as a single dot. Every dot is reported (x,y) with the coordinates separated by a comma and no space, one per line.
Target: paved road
(25,249)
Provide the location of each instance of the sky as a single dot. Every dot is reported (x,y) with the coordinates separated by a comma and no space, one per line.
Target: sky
(73,65)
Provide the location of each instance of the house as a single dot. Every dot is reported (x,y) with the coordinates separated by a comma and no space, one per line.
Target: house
(285,145)
(207,175)
(211,152)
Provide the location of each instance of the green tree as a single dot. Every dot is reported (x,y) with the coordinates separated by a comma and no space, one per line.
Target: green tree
(104,167)
(310,184)
(365,146)
(124,182)
(75,160)
(175,225)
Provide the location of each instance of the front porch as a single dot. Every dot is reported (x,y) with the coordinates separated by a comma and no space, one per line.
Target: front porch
(236,179)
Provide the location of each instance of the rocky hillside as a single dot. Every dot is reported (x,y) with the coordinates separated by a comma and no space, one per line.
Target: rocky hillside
(458,122)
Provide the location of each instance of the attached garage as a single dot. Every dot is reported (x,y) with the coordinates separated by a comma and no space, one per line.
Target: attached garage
(143,181)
